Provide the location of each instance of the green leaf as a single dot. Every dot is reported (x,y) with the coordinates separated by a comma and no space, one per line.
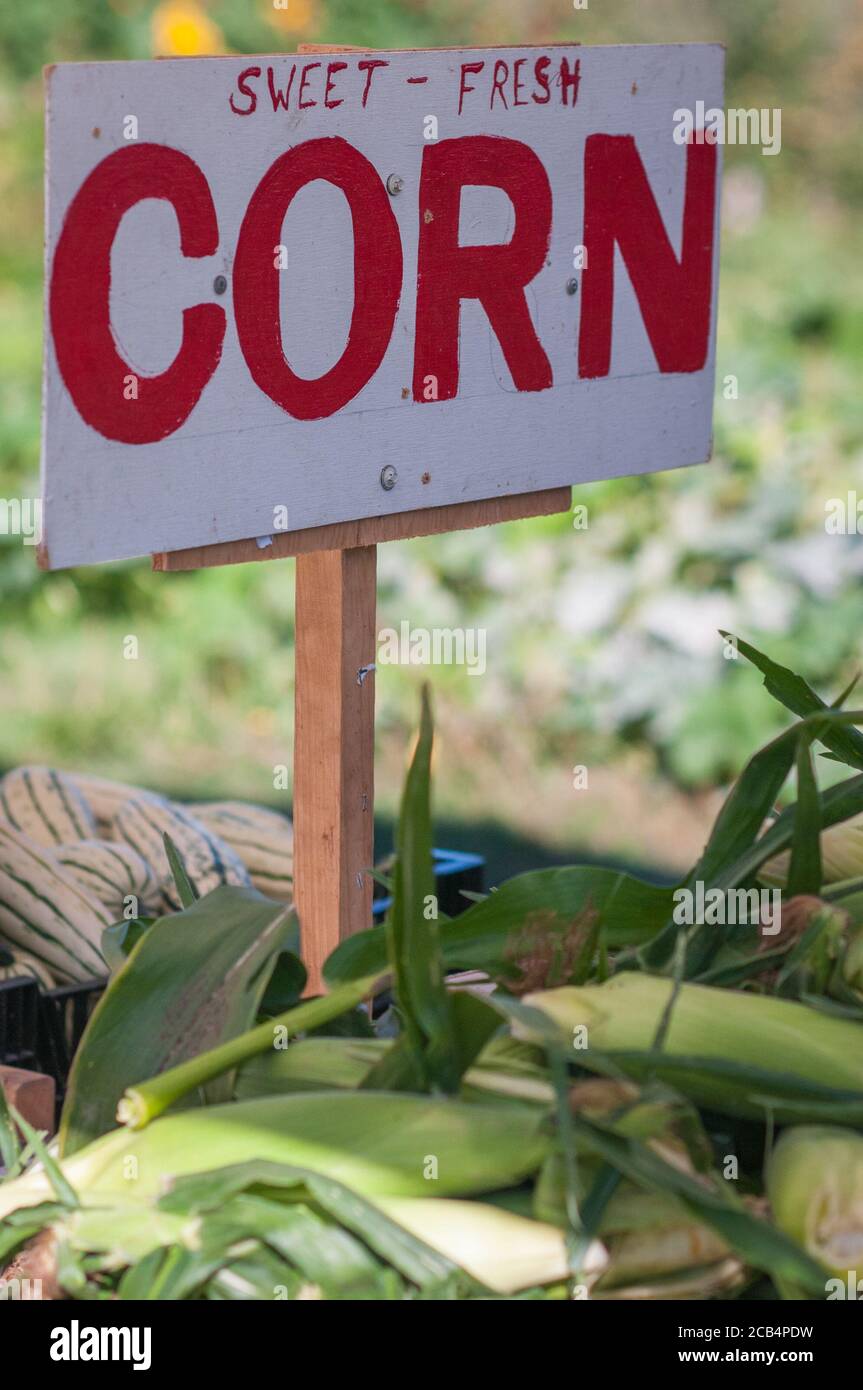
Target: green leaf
(9,1145)
(22,1225)
(60,1184)
(194,978)
(474,1022)
(186,890)
(804,875)
(119,939)
(285,985)
(327,1257)
(486,937)
(391,1242)
(412,936)
(836,804)
(734,833)
(168,1274)
(795,694)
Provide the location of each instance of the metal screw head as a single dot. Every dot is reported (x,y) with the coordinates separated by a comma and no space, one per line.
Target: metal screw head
(388,477)
(220,284)
(572,287)
(395,184)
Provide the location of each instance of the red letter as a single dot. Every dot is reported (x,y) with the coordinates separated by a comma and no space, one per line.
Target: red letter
(463,86)
(673,296)
(310,67)
(368,66)
(277,96)
(377,277)
(332,68)
(498,80)
(95,374)
(569,79)
(540,72)
(496,275)
(517,82)
(247,91)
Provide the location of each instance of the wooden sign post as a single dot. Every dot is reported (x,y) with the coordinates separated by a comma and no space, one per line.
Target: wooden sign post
(460,281)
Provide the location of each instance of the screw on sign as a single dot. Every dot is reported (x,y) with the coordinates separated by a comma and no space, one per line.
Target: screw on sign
(426,296)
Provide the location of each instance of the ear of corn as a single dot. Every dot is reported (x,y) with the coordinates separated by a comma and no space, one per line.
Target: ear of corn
(374,1142)
(815,1187)
(505,1251)
(745,1054)
(650,1235)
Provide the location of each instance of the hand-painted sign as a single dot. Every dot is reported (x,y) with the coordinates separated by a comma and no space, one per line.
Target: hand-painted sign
(288,291)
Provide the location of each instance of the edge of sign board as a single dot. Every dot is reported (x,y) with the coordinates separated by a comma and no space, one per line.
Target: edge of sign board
(369,530)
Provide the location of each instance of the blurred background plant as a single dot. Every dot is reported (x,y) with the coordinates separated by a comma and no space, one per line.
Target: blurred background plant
(602,642)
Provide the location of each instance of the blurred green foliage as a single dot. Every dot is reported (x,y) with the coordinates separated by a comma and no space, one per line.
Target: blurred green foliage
(601,640)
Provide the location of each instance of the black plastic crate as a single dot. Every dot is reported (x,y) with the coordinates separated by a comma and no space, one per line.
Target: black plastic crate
(20,1009)
(62,1019)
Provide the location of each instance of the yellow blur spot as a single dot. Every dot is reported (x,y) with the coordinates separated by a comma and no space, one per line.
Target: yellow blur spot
(291,16)
(261,722)
(181,28)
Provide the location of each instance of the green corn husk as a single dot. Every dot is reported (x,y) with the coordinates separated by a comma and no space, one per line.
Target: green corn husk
(372,1142)
(742,1054)
(504,1069)
(311,1064)
(815,1187)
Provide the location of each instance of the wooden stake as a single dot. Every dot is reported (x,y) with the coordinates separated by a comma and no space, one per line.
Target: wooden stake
(334,749)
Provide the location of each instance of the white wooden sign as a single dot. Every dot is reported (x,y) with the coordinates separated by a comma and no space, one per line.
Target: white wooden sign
(292,290)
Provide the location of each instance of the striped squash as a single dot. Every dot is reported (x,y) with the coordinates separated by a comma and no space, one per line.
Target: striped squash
(143,821)
(45,805)
(20,966)
(45,911)
(263,839)
(113,871)
(103,798)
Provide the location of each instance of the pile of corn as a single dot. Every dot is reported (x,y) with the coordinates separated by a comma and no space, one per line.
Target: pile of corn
(590,1120)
